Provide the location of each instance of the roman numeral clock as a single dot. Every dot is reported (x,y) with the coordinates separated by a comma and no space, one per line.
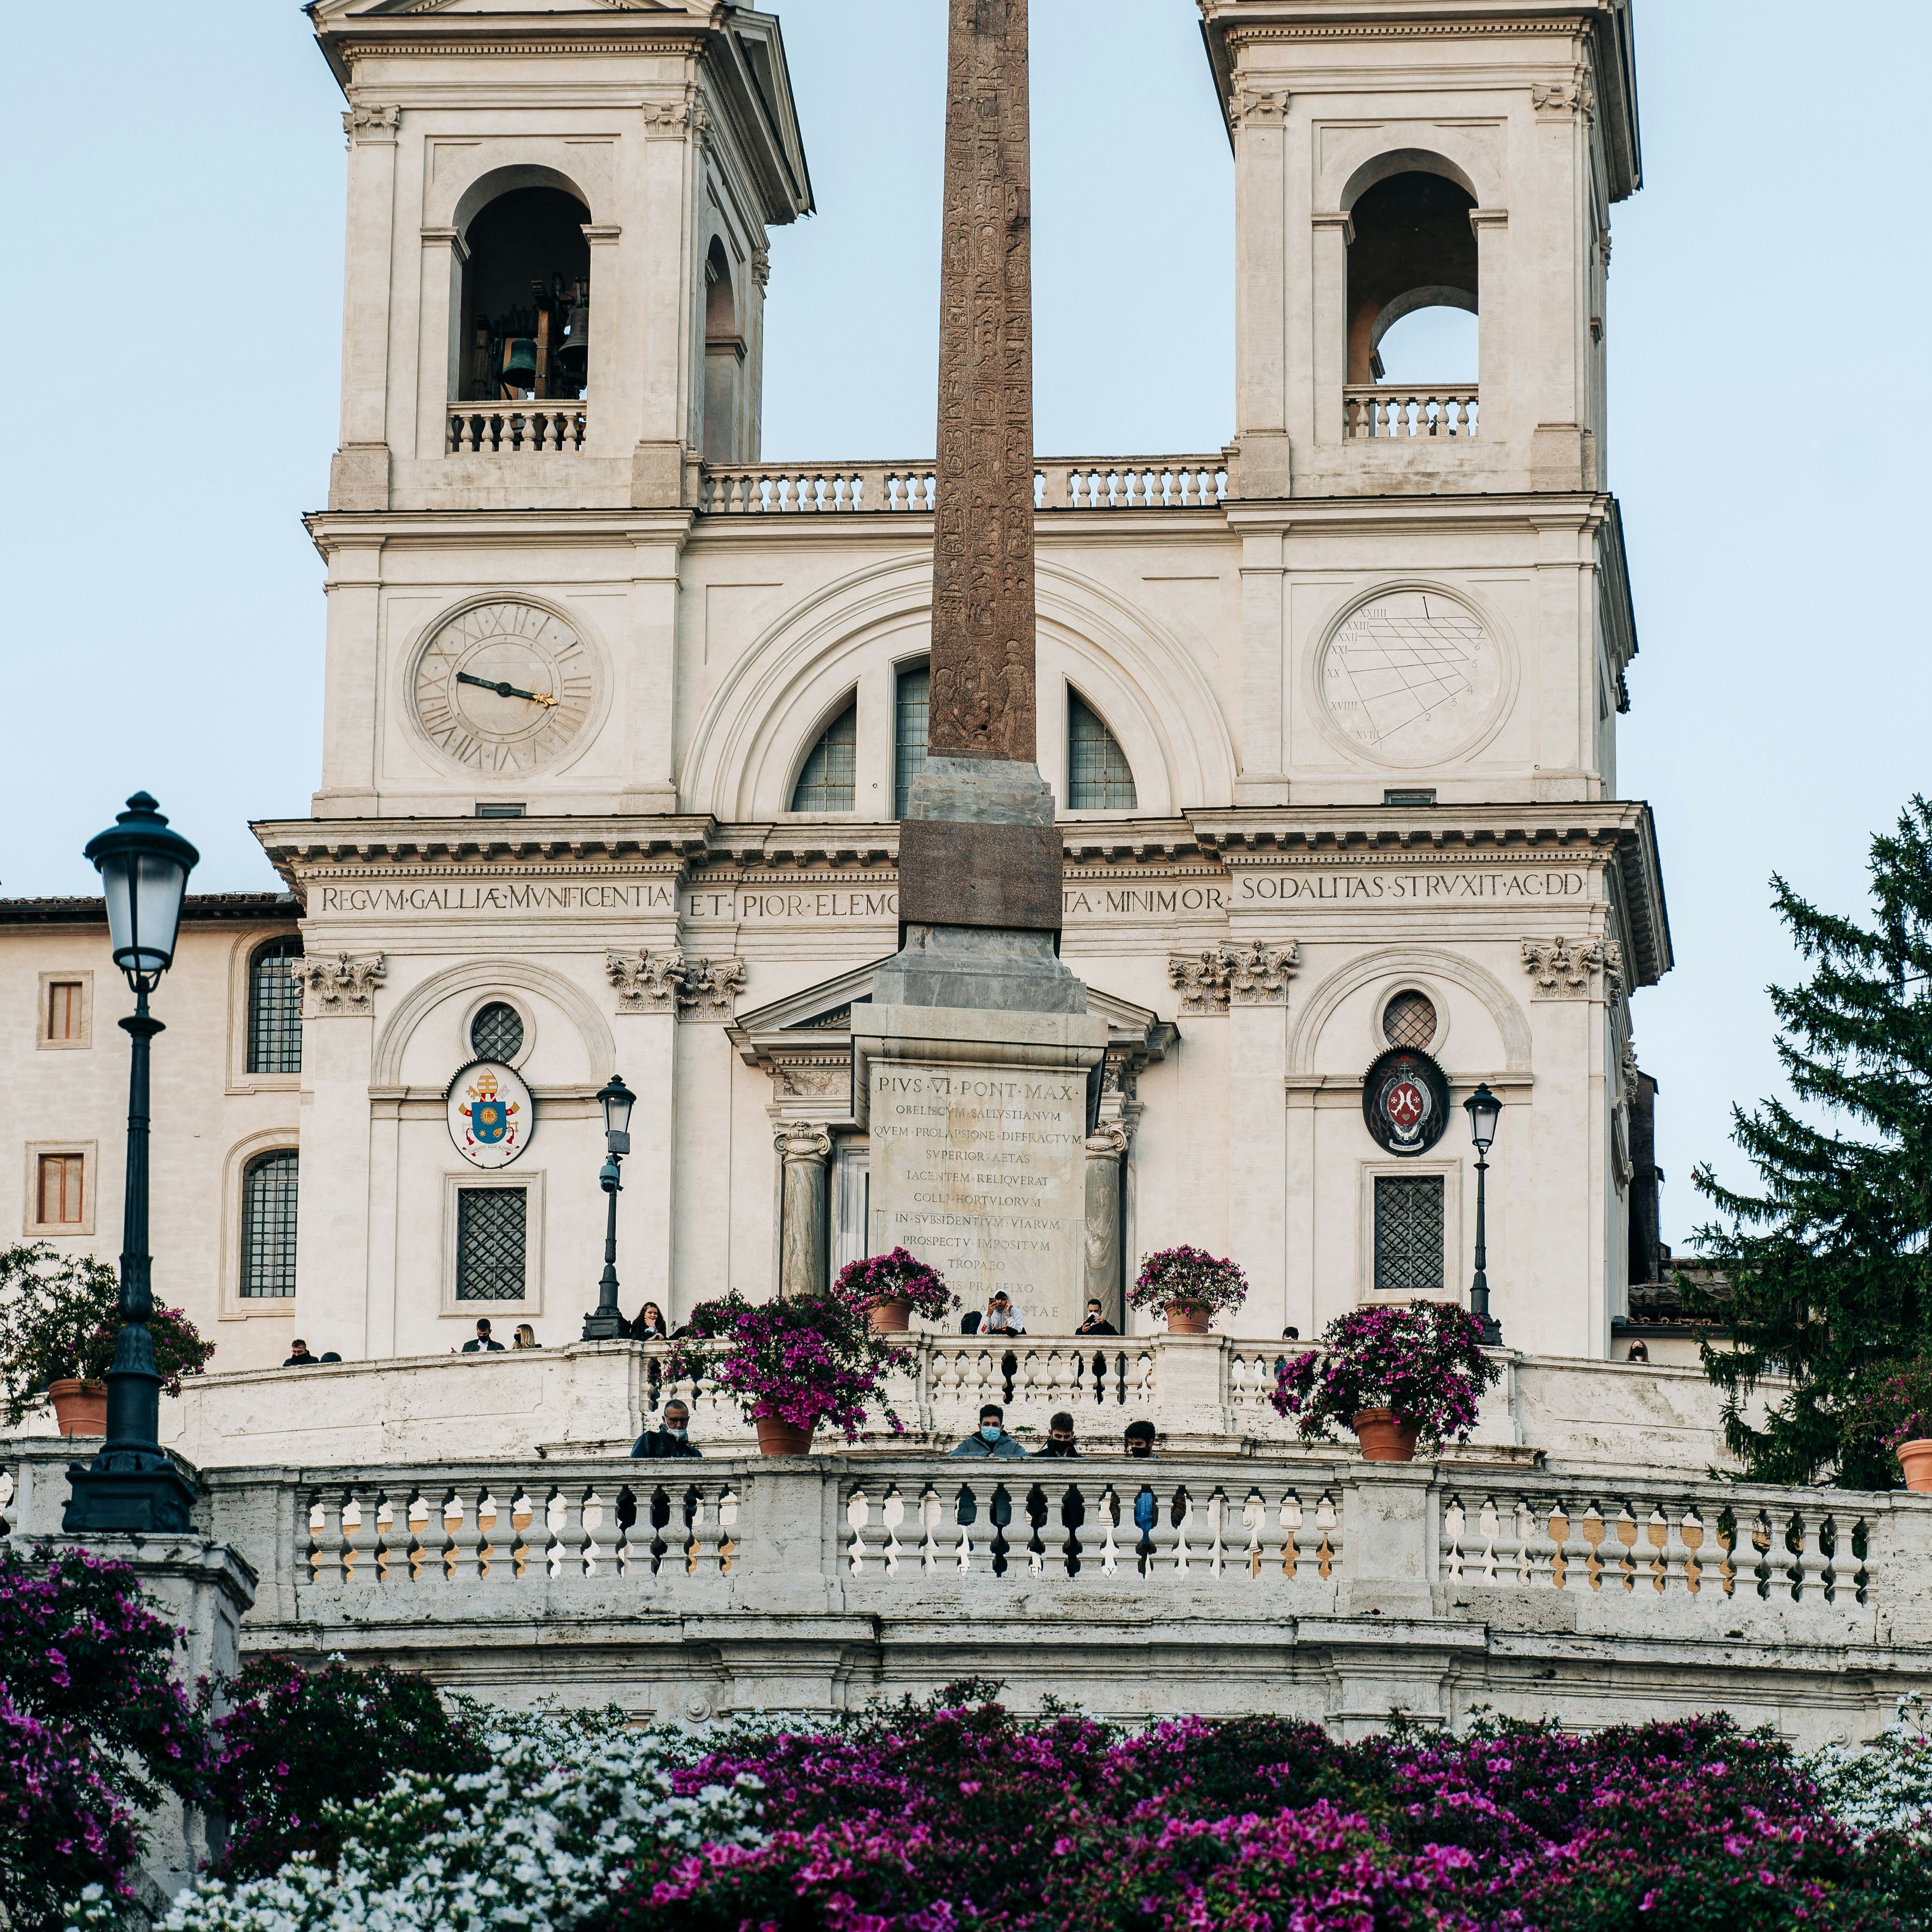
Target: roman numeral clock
(506,687)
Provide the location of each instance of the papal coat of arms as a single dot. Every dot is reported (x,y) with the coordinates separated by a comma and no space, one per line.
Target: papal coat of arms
(491,1114)
(1406,1101)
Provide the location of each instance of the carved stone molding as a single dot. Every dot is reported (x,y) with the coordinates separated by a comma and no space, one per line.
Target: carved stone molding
(1253,975)
(801,1141)
(1109,1140)
(761,265)
(1572,97)
(688,984)
(810,1079)
(1258,973)
(370,124)
(1264,106)
(710,988)
(1629,1064)
(646,982)
(335,988)
(1562,967)
(1613,968)
(665,118)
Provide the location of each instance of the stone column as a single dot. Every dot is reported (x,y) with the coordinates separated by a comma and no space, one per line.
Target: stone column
(802,1244)
(1106,1157)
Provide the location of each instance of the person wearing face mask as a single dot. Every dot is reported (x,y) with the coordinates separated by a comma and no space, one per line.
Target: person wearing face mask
(672,1439)
(1140,1442)
(1060,1437)
(990,1438)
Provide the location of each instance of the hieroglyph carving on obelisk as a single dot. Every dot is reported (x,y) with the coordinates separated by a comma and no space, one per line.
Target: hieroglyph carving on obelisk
(983,565)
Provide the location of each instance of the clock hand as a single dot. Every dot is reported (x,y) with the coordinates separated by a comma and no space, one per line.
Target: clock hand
(503,690)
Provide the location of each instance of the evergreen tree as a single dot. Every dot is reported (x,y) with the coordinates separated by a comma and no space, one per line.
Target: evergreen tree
(1831,1278)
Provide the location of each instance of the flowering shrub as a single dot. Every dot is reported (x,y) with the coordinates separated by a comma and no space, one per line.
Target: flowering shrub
(536,1839)
(59,1315)
(898,1277)
(297,1745)
(803,1362)
(1884,1413)
(1188,1278)
(1425,1362)
(93,1728)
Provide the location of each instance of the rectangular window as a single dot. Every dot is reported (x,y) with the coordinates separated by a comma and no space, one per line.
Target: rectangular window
(274,1008)
(59,1200)
(911,704)
(270,1192)
(1408,1234)
(66,1014)
(491,1243)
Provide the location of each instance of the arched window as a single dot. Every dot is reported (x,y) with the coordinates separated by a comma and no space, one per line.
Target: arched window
(274,1008)
(724,359)
(527,275)
(269,1190)
(829,774)
(1099,778)
(912,701)
(496,1033)
(1414,253)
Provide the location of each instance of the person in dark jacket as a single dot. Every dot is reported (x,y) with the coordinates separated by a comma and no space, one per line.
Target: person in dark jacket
(649,1325)
(484,1343)
(1060,1437)
(1140,1442)
(1095,1323)
(990,1438)
(299,1357)
(672,1439)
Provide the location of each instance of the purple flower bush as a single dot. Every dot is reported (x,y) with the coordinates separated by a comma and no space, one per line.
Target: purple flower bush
(804,1362)
(1188,1278)
(898,1277)
(93,1729)
(1425,1362)
(960,1814)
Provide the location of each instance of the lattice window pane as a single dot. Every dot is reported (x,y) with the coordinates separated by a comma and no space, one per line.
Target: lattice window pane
(1408,1234)
(830,775)
(1099,778)
(274,1008)
(490,1243)
(909,735)
(1409,1020)
(269,1189)
(496,1033)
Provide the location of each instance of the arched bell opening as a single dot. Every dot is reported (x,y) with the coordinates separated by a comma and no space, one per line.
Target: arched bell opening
(723,359)
(1412,274)
(526,297)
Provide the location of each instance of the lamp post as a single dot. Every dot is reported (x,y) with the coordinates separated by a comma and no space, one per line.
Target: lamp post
(132,1485)
(604,1323)
(1484,1111)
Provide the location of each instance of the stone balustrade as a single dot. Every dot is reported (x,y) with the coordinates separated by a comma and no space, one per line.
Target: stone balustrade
(1060,483)
(1387,410)
(1320,1586)
(504,429)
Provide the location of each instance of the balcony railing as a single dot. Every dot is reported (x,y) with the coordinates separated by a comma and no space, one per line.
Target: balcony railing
(505,429)
(1060,483)
(1382,411)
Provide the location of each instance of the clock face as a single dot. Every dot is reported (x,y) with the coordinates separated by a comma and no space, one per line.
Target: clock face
(504,687)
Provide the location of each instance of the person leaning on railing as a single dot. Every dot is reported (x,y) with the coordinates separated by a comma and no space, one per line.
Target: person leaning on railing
(672,1439)
(990,1438)
(1060,1437)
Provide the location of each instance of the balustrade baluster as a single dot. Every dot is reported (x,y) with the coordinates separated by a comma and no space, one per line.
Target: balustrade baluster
(389,1545)
(1594,1530)
(1328,1525)
(598,1523)
(1626,1536)
(1691,1535)
(930,1513)
(1167,1535)
(325,1539)
(1487,1529)
(1559,1535)
(1800,1541)
(705,1557)
(358,1538)
(965,1516)
(568,1550)
(1253,1530)
(458,1515)
(1657,1533)
(425,1548)
(1455,1527)
(891,1515)
(1114,1544)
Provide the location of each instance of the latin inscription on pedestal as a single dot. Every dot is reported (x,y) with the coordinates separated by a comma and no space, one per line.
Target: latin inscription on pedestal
(981,1171)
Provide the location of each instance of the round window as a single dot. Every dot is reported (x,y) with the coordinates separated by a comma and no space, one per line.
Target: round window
(1409,1020)
(496,1033)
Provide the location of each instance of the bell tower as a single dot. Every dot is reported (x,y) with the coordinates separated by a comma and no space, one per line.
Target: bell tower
(556,248)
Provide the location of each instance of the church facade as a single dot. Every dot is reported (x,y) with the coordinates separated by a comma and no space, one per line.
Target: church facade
(620,722)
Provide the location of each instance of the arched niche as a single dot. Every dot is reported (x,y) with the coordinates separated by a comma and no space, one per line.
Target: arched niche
(416,1049)
(1315,1037)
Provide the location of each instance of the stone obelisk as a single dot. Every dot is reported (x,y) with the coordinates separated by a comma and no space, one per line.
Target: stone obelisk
(975,1059)
(979,858)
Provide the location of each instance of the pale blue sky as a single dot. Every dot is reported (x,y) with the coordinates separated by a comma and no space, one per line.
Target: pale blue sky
(175,215)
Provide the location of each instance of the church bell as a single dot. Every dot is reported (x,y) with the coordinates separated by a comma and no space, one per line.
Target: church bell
(519,363)
(573,356)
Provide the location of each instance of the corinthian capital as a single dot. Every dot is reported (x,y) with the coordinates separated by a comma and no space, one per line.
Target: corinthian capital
(646,982)
(332,988)
(1562,967)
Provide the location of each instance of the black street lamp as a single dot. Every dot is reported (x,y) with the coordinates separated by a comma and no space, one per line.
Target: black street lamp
(1484,1111)
(132,1485)
(604,1323)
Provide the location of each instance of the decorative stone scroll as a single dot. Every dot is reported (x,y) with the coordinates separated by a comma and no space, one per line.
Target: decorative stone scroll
(1562,967)
(1572,97)
(1264,106)
(1253,975)
(688,984)
(370,124)
(339,987)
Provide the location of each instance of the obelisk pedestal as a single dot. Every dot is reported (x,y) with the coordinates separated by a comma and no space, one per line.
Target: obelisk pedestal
(977,1061)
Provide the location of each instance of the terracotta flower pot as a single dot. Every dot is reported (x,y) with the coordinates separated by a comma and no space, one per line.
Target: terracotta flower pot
(780,1438)
(891,1317)
(1384,1438)
(80,1408)
(1187,1321)
(1915,1459)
